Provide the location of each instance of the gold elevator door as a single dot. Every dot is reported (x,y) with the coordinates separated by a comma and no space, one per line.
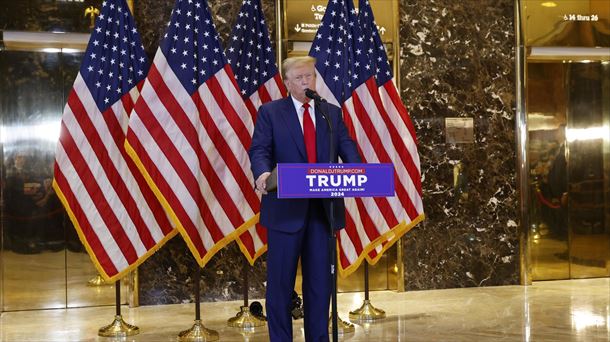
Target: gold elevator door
(568,119)
(43,264)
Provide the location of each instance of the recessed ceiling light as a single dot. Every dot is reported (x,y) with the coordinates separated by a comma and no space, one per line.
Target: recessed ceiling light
(549,4)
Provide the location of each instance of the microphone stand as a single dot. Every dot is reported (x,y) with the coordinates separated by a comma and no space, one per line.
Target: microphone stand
(332,247)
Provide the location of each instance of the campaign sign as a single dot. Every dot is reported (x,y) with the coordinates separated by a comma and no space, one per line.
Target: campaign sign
(335,180)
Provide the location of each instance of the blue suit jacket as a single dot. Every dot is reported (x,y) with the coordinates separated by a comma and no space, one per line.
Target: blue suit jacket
(278,138)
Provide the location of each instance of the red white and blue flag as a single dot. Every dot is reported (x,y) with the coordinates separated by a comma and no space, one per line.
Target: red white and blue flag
(251,57)
(396,119)
(347,78)
(116,215)
(190,131)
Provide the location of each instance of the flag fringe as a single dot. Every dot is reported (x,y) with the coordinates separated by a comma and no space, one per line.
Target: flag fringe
(96,263)
(391,237)
(217,246)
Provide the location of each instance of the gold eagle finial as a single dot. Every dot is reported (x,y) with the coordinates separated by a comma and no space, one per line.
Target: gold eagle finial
(92,12)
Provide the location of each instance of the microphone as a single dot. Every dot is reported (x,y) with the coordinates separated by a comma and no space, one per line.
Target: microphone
(313,95)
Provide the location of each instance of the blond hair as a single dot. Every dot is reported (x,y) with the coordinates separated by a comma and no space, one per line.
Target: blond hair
(292,62)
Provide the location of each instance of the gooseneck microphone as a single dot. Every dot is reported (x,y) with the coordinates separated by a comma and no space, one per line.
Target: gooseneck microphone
(313,95)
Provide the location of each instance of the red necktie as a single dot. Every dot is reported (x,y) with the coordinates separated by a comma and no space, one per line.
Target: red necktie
(309,134)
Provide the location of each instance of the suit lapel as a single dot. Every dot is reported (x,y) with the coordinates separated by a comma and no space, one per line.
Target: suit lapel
(294,127)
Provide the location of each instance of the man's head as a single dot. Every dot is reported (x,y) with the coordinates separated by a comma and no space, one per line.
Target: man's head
(299,73)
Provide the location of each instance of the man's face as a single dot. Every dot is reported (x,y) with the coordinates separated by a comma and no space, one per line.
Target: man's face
(300,78)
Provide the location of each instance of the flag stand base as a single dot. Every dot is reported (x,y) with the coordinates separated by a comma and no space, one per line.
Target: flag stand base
(366,313)
(343,327)
(198,333)
(118,328)
(246,320)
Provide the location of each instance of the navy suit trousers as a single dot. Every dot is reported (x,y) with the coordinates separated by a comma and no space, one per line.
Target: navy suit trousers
(311,244)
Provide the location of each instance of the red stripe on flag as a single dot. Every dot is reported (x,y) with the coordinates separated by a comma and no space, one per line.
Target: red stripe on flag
(184,173)
(263,94)
(352,231)
(128,103)
(114,178)
(251,109)
(191,135)
(402,110)
(227,155)
(97,196)
(149,197)
(397,141)
(379,149)
(162,184)
(228,110)
(382,155)
(85,226)
(280,85)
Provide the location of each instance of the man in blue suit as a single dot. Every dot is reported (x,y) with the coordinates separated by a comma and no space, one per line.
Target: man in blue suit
(292,130)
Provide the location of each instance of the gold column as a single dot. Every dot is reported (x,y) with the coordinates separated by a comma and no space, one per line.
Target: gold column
(400,279)
(521,137)
(279,32)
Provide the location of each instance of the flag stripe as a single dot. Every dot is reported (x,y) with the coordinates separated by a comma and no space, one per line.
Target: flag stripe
(389,88)
(223,148)
(371,141)
(398,110)
(91,148)
(190,135)
(90,236)
(146,221)
(114,212)
(183,181)
(102,209)
(381,208)
(168,186)
(252,62)
(219,168)
(110,132)
(227,104)
(396,144)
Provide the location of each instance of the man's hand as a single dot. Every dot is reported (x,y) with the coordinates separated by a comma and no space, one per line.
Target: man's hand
(261,182)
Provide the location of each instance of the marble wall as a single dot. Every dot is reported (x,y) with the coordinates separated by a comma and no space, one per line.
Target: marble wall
(456,61)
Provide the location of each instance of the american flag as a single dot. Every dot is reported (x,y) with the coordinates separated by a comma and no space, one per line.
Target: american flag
(189,133)
(400,129)
(346,77)
(117,216)
(251,57)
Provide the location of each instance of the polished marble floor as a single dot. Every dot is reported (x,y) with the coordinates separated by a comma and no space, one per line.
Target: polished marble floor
(572,310)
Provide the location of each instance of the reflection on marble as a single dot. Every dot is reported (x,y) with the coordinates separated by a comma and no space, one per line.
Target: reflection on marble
(53,280)
(457,61)
(574,310)
(41,15)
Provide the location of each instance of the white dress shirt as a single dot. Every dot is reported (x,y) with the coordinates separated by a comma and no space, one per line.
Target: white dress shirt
(300,111)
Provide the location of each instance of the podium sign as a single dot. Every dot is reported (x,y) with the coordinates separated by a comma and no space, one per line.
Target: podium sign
(335,180)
